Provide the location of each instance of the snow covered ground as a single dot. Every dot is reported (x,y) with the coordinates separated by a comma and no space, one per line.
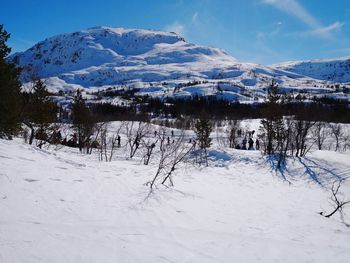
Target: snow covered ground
(58,205)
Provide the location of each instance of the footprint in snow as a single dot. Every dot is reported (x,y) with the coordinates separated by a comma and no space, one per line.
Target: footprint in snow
(63,168)
(55,179)
(29,180)
(5,157)
(26,159)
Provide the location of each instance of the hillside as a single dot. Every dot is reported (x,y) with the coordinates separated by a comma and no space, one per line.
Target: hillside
(336,70)
(158,62)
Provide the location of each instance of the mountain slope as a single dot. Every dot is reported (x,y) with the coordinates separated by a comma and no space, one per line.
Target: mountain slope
(106,55)
(162,64)
(337,70)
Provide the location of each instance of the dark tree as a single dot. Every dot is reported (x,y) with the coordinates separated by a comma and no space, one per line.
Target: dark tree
(40,112)
(83,122)
(272,126)
(10,91)
(203,129)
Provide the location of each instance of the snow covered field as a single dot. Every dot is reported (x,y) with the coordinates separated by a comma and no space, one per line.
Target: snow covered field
(62,206)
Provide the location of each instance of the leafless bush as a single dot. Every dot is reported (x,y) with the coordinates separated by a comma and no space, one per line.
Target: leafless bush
(170,156)
(346,142)
(301,132)
(109,145)
(319,133)
(337,200)
(148,146)
(221,136)
(115,141)
(135,134)
(232,132)
(103,143)
(337,132)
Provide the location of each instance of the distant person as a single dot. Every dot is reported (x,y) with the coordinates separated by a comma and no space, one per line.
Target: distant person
(257,144)
(244,144)
(118,140)
(172,133)
(250,143)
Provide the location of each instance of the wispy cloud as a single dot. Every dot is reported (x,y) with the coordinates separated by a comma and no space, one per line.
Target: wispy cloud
(181,27)
(176,27)
(327,30)
(194,18)
(24,41)
(321,32)
(294,8)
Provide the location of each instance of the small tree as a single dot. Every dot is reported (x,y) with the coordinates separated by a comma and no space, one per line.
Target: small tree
(272,126)
(203,129)
(40,113)
(319,133)
(10,91)
(232,133)
(301,132)
(83,121)
(135,135)
(170,156)
(338,132)
(148,146)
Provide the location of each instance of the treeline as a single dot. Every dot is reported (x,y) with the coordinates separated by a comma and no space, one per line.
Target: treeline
(36,109)
(284,136)
(325,109)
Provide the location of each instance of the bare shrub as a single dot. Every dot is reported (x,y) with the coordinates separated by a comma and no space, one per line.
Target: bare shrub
(337,200)
(135,134)
(170,156)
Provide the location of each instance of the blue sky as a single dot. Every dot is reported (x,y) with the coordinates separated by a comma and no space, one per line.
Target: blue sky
(260,31)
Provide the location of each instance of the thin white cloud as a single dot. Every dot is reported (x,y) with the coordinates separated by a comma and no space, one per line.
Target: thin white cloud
(294,8)
(327,30)
(321,32)
(24,41)
(181,28)
(176,27)
(194,18)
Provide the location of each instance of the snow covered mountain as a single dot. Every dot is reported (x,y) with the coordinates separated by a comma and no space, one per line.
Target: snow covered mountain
(163,64)
(102,55)
(337,70)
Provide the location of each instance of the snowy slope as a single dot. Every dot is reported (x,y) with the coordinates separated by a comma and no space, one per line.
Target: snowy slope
(337,70)
(105,57)
(61,206)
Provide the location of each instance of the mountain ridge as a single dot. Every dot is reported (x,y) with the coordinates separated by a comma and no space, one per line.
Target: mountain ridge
(105,57)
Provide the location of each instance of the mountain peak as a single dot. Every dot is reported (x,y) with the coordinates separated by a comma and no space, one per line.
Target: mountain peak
(111,56)
(115,50)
